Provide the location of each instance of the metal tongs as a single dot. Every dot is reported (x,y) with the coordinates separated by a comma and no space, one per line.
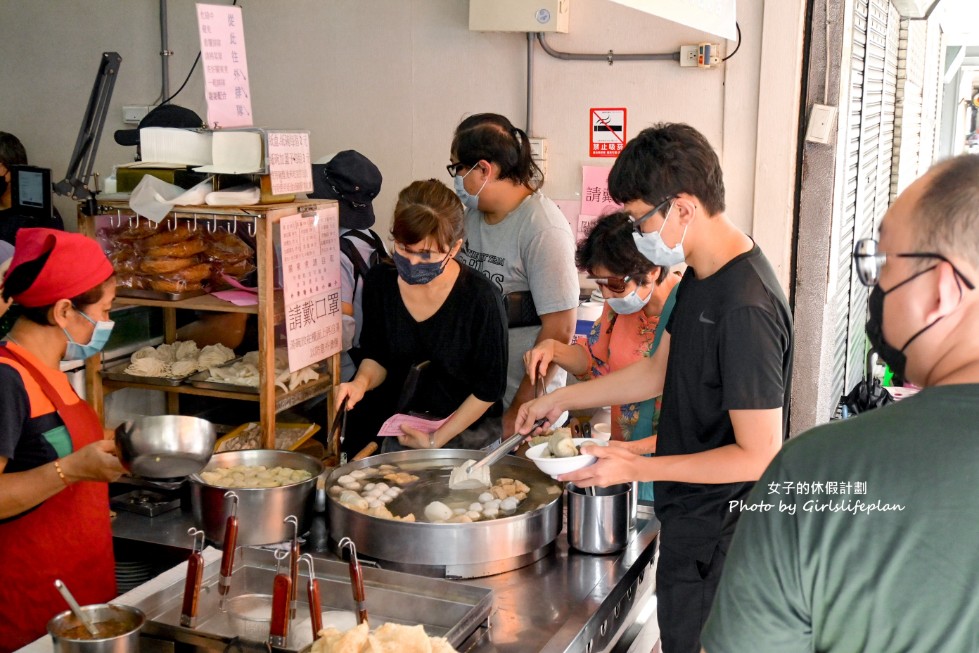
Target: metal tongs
(192,585)
(281,592)
(313,598)
(467,475)
(293,565)
(356,579)
(230,543)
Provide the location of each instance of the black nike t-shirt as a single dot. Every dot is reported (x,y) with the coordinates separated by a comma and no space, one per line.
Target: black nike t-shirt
(730,349)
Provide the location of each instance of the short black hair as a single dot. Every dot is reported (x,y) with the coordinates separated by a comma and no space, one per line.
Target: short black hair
(492,137)
(610,245)
(947,213)
(12,152)
(664,160)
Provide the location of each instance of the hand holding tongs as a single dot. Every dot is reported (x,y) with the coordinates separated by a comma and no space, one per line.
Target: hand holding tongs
(313,598)
(281,592)
(338,430)
(356,580)
(230,543)
(514,440)
(192,586)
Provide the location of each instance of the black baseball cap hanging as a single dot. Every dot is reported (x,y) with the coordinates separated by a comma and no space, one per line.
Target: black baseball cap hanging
(165,115)
(354,181)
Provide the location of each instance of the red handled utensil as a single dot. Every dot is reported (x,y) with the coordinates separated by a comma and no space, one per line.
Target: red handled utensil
(313,598)
(293,565)
(192,586)
(281,591)
(230,543)
(356,580)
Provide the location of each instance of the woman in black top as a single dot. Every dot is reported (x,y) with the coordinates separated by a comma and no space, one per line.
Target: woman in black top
(428,307)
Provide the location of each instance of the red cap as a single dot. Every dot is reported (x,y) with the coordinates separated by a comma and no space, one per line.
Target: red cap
(76,264)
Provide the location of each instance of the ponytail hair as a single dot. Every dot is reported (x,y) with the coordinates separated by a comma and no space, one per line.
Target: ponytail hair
(492,137)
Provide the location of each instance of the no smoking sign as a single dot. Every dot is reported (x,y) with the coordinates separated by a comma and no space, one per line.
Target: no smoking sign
(608,135)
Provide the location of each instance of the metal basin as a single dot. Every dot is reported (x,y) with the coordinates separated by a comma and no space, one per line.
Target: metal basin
(261,511)
(118,625)
(467,550)
(165,446)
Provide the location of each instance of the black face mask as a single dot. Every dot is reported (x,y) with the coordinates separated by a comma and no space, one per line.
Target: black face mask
(3,184)
(895,358)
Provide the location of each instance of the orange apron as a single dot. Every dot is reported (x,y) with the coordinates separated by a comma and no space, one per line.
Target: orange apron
(69,536)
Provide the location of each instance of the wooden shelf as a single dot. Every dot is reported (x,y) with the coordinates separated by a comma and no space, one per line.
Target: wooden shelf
(204,303)
(283,400)
(261,222)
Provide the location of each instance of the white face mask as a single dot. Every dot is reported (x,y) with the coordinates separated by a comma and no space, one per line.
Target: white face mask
(651,246)
(631,303)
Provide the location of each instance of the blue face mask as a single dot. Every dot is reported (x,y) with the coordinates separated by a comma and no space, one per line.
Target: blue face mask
(631,303)
(468,201)
(78,352)
(417,273)
(651,246)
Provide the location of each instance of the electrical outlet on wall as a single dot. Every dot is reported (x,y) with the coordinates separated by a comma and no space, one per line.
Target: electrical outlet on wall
(132,114)
(688,55)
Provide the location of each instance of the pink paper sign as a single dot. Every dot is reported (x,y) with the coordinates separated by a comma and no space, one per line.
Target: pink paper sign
(311,285)
(595,199)
(226,90)
(585,224)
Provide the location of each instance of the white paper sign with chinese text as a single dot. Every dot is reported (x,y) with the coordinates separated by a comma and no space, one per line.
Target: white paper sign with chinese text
(222,32)
(311,285)
(289,164)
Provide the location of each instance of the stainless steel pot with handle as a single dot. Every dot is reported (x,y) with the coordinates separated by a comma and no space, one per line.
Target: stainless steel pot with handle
(261,511)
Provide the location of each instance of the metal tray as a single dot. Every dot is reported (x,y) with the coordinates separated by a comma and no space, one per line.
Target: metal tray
(157,294)
(118,373)
(445,609)
(199,380)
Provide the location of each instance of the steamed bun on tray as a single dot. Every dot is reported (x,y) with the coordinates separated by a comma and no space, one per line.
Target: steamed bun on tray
(389,638)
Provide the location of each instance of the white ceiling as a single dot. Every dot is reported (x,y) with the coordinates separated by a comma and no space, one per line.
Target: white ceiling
(960,21)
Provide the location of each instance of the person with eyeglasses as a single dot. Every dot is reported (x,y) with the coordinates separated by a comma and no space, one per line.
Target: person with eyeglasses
(639,297)
(518,239)
(889,562)
(723,368)
(426,310)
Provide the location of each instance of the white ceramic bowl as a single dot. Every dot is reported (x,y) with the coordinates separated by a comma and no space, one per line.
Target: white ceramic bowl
(601,431)
(556,466)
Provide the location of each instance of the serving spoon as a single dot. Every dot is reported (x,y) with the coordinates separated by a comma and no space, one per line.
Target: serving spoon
(76,609)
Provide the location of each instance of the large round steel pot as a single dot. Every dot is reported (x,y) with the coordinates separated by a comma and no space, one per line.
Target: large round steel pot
(466,550)
(165,446)
(118,627)
(261,511)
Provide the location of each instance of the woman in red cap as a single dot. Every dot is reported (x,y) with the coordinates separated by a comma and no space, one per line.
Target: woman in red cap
(54,460)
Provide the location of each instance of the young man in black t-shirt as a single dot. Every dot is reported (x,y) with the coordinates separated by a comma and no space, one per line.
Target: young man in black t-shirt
(724,373)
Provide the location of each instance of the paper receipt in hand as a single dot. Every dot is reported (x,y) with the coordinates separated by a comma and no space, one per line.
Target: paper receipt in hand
(393,424)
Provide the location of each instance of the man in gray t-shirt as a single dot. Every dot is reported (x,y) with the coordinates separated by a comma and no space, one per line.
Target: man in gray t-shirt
(531,249)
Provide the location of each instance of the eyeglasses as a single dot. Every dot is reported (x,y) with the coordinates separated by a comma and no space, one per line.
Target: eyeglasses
(868,261)
(659,207)
(454,168)
(615,284)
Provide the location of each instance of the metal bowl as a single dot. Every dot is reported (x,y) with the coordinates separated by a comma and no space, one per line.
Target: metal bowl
(468,550)
(260,510)
(165,446)
(120,624)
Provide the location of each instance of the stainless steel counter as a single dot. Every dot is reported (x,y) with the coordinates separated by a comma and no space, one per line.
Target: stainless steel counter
(567,601)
